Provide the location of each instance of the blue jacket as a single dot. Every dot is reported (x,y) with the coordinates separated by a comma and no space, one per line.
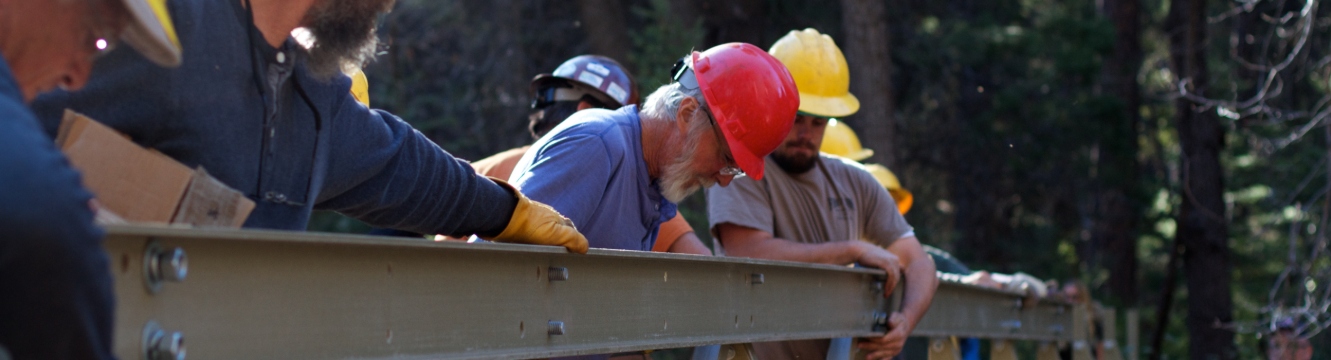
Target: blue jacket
(283,138)
(55,287)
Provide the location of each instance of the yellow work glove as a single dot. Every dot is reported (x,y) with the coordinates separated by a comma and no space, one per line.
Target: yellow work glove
(539,224)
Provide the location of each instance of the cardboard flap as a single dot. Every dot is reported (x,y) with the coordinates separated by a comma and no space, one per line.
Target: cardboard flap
(137,184)
(143,185)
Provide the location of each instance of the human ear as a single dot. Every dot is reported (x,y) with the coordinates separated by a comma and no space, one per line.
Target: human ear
(688,108)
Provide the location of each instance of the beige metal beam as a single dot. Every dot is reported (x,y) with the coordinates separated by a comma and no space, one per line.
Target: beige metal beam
(291,295)
(964,310)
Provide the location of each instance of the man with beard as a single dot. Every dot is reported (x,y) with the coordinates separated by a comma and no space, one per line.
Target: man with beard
(820,208)
(277,122)
(56,296)
(618,173)
(581,83)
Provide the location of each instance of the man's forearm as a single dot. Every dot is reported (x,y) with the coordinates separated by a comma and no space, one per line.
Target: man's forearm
(835,253)
(689,244)
(921,283)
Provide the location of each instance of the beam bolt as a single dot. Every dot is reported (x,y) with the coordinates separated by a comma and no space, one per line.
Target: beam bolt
(162,265)
(1011,325)
(756,278)
(159,344)
(555,327)
(558,273)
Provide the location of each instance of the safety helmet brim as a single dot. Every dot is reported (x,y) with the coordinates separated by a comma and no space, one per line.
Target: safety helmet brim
(860,155)
(903,198)
(544,80)
(151,32)
(829,106)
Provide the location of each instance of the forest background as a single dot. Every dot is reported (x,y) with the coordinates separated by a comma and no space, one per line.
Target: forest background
(1173,155)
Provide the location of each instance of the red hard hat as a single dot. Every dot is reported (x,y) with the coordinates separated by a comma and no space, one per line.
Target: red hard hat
(601,77)
(753,98)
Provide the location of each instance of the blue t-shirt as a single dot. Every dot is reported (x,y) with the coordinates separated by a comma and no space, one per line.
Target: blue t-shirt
(591,169)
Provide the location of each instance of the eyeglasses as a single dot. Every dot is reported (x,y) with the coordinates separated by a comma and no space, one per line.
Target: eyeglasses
(730,169)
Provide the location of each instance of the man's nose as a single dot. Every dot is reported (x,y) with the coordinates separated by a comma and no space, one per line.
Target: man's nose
(77,75)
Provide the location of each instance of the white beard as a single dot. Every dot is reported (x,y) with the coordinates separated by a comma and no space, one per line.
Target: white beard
(678,182)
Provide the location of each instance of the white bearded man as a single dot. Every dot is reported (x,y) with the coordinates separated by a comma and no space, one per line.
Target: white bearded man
(618,173)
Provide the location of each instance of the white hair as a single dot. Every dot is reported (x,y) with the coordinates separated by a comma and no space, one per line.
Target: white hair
(677,181)
(664,103)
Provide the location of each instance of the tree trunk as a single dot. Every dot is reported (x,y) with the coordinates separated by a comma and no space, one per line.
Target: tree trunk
(1202,228)
(866,48)
(1166,304)
(603,20)
(1120,200)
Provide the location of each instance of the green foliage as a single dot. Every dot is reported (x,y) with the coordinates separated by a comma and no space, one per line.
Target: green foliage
(662,41)
(1003,103)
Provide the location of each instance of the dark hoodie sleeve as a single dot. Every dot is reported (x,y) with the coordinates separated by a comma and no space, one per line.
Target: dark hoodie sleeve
(384,172)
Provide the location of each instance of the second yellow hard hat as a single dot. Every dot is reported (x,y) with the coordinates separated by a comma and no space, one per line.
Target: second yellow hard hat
(840,140)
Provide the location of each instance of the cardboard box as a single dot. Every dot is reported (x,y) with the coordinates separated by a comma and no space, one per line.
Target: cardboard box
(143,185)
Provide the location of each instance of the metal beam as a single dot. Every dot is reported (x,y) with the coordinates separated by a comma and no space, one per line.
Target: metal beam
(966,310)
(293,295)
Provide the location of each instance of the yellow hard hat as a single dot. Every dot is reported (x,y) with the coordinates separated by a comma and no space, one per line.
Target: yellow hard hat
(820,73)
(840,140)
(151,32)
(360,88)
(889,180)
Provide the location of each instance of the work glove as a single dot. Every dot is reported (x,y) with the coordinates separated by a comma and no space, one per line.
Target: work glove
(539,224)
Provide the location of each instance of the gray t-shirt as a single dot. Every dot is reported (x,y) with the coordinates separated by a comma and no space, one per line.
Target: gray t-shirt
(837,200)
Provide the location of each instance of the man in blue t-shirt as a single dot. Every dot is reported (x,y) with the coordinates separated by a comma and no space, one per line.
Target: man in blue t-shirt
(618,173)
(56,300)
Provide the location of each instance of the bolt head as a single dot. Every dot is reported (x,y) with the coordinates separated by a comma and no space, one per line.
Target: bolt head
(174,265)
